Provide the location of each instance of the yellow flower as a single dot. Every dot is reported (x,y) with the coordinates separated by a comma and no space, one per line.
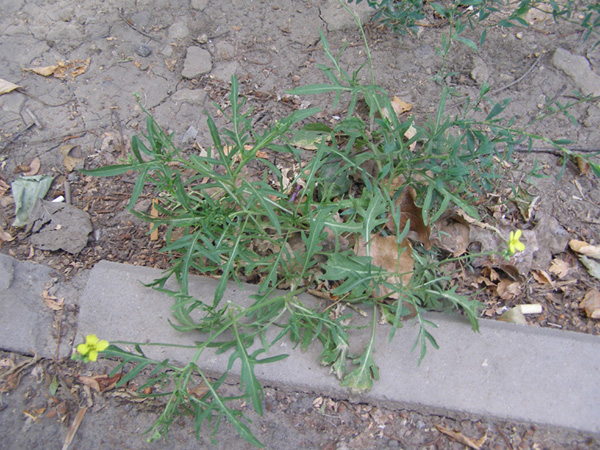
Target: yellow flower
(91,347)
(514,245)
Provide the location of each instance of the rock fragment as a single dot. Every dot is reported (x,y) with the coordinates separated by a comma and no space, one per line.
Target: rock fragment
(197,62)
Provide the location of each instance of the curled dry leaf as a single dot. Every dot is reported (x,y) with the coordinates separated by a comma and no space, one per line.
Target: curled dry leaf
(459,437)
(410,211)
(101,383)
(386,254)
(72,156)
(453,235)
(583,248)
(34,167)
(508,290)
(7,86)
(53,302)
(591,304)
(199,391)
(559,268)
(542,277)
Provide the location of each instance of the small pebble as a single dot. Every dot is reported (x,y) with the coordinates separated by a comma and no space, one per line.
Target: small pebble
(143,50)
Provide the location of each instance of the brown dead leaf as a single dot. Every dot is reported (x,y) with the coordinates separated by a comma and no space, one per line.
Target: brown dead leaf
(461,438)
(410,211)
(409,134)
(452,235)
(583,165)
(236,28)
(261,154)
(72,156)
(53,302)
(591,304)
(7,86)
(559,268)
(542,277)
(34,167)
(400,106)
(154,213)
(80,66)
(5,236)
(101,383)
(199,391)
(74,427)
(384,251)
(508,290)
(513,315)
(46,71)
(61,69)
(583,248)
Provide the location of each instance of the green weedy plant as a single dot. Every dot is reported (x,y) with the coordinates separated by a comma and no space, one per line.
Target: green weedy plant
(403,15)
(290,233)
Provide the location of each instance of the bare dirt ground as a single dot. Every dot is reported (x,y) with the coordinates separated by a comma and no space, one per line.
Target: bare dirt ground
(114,49)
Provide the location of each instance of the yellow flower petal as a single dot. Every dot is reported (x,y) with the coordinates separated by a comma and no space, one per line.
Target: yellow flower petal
(91,340)
(93,355)
(102,345)
(82,349)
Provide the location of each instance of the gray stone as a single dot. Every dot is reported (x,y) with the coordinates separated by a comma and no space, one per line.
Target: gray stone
(495,372)
(578,68)
(59,226)
(7,272)
(25,323)
(197,62)
(481,71)
(190,135)
(226,71)
(143,50)
(193,96)
(178,30)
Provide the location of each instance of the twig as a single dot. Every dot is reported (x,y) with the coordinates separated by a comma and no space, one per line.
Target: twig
(59,327)
(518,80)
(503,436)
(67,187)
(123,152)
(16,136)
(130,23)
(37,121)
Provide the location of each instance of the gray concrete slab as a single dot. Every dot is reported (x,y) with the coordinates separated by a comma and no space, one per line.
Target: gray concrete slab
(25,323)
(506,371)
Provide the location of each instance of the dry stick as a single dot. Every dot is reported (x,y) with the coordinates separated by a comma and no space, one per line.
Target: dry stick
(122,141)
(16,136)
(130,23)
(60,318)
(503,88)
(67,187)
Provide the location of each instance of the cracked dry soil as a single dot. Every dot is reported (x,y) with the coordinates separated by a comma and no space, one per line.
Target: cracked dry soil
(143,47)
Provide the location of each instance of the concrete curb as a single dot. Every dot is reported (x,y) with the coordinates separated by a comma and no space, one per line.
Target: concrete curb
(507,371)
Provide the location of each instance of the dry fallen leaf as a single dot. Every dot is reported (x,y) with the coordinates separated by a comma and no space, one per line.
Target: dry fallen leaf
(559,268)
(74,427)
(507,290)
(410,211)
(5,236)
(72,156)
(583,248)
(199,391)
(34,167)
(583,165)
(53,302)
(101,383)
(591,304)
(542,277)
(452,235)
(459,437)
(400,106)
(154,213)
(46,71)
(384,251)
(7,86)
